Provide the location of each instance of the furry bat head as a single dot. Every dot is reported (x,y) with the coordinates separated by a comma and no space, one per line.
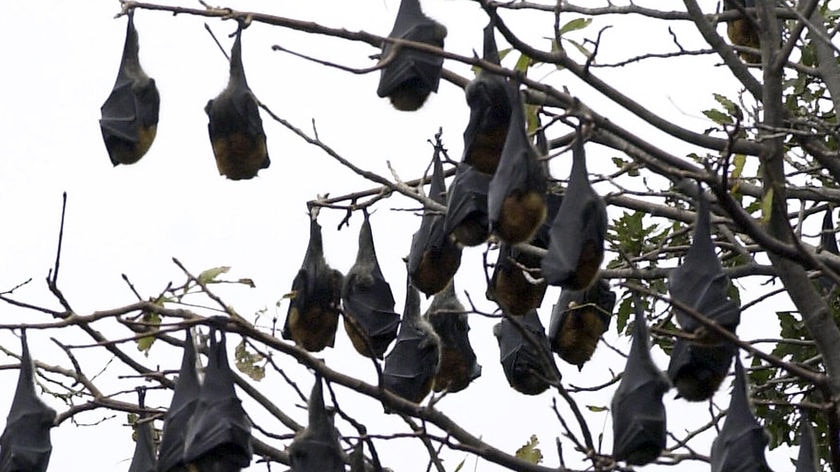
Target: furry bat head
(316,448)
(458,365)
(522,362)
(578,320)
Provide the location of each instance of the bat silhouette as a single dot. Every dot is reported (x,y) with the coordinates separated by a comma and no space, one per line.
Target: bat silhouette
(413,362)
(184,399)
(458,365)
(516,195)
(522,363)
(741,31)
(577,232)
(411,75)
(130,113)
(487,97)
(25,443)
(312,319)
(740,445)
(578,320)
(235,126)
(369,317)
(515,292)
(828,242)
(697,370)
(357,457)
(218,435)
(807,460)
(316,448)
(145,456)
(638,415)
(434,258)
(466,211)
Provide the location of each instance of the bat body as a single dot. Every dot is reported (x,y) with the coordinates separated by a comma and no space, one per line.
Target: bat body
(808,460)
(411,75)
(521,361)
(145,455)
(316,448)
(434,258)
(576,249)
(638,415)
(218,433)
(312,319)
(740,444)
(697,370)
(828,242)
(458,365)
(487,97)
(25,443)
(130,113)
(413,362)
(742,32)
(184,399)
(235,127)
(369,317)
(578,320)
(466,211)
(516,196)
(515,292)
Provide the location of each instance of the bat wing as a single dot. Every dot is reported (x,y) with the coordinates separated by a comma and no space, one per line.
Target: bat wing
(576,247)
(521,361)
(639,422)
(316,448)
(218,428)
(510,288)
(466,212)
(144,459)
(698,370)
(828,242)
(25,443)
(807,460)
(740,444)
(458,364)
(700,282)
(184,399)
(578,320)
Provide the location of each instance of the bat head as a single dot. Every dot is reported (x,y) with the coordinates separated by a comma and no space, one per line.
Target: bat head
(184,400)
(316,447)
(524,363)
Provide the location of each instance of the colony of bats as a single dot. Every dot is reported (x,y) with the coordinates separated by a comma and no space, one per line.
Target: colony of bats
(500,193)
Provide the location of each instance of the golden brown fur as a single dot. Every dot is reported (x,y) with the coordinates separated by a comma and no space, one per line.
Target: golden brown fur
(238,156)
(487,149)
(579,336)
(521,216)
(316,330)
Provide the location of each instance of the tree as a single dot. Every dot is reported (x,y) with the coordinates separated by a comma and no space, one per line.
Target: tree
(765,155)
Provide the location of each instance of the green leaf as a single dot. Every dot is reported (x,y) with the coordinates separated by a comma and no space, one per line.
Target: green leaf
(580,48)
(727,104)
(522,64)
(596,409)
(718,117)
(530,452)
(246,362)
(738,160)
(575,25)
(145,343)
(210,275)
(767,205)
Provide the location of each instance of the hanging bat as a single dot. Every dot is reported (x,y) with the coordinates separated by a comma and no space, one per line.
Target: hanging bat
(578,320)
(145,456)
(434,258)
(25,444)
(312,319)
(697,370)
(184,399)
(458,365)
(515,292)
(638,415)
(316,447)
(741,31)
(413,362)
(357,457)
(487,97)
(516,195)
(369,317)
(466,211)
(577,233)
(808,460)
(700,283)
(130,113)
(218,435)
(521,361)
(828,243)
(741,441)
(235,126)
(411,75)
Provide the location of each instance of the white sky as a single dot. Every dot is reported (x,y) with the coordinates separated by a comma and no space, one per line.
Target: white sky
(61,59)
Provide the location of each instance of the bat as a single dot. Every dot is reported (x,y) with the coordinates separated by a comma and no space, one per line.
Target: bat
(513,288)
(638,415)
(218,435)
(145,455)
(316,447)
(413,362)
(521,361)
(184,399)
(434,258)
(410,75)
(741,31)
(357,457)
(516,196)
(130,113)
(487,97)
(700,283)
(458,365)
(25,443)
(578,320)
(235,127)
(741,441)
(697,370)
(808,460)
(312,319)
(828,243)
(466,218)
(576,249)
(369,317)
